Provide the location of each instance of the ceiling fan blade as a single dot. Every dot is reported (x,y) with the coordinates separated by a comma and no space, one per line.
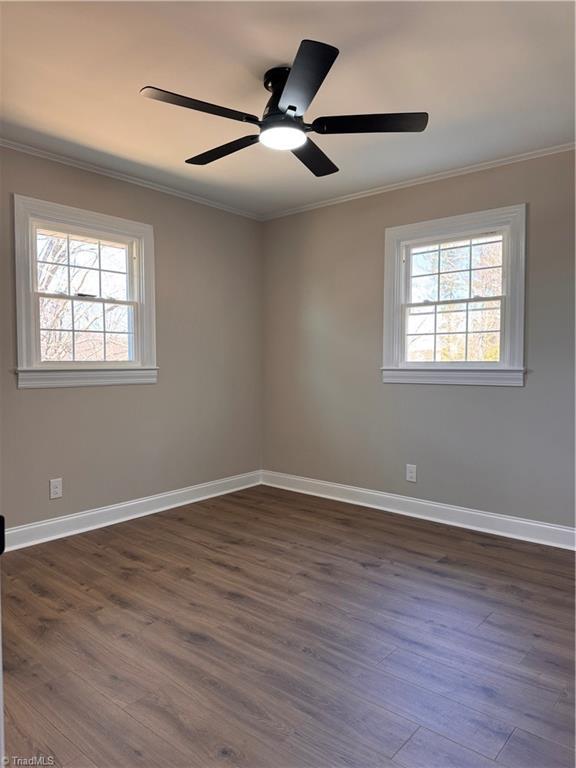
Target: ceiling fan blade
(314,159)
(311,65)
(390,123)
(201,106)
(222,151)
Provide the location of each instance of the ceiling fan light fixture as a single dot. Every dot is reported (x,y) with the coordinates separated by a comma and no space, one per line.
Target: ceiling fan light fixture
(283,137)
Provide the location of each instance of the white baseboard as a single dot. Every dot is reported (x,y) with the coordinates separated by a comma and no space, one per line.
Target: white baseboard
(473,519)
(67,525)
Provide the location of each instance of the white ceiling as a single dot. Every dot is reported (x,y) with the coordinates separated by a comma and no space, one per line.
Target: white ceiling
(496,78)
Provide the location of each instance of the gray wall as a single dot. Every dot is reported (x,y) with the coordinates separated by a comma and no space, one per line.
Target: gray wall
(306,291)
(202,421)
(328,415)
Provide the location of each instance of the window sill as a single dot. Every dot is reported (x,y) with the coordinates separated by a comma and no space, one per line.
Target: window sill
(46,378)
(502,377)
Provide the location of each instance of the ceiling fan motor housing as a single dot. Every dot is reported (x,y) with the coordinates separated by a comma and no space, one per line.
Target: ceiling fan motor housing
(275,79)
(274,82)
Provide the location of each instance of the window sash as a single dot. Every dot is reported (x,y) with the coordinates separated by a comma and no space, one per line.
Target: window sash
(135,332)
(404,305)
(132,255)
(465,303)
(472,300)
(85,297)
(132,290)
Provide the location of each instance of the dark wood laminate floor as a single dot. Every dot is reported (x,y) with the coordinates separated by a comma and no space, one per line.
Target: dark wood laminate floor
(268,629)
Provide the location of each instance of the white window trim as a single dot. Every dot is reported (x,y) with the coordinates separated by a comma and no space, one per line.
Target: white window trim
(510,370)
(30,371)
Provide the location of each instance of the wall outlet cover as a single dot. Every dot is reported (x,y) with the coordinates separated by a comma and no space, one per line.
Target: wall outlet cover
(411,473)
(56,488)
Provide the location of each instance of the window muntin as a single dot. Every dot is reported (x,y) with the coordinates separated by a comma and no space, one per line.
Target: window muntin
(454,291)
(86,297)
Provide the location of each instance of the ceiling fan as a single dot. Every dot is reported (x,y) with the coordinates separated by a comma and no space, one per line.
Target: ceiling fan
(282,125)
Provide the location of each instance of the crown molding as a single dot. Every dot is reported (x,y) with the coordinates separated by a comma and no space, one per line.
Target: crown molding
(416,181)
(461,171)
(119,176)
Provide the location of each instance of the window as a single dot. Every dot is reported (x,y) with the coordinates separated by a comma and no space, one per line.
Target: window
(454,300)
(85,297)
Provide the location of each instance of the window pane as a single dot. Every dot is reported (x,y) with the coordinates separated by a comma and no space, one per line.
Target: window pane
(113,257)
(487,282)
(84,281)
(118,346)
(488,238)
(424,263)
(55,345)
(454,285)
(88,346)
(119,318)
(484,346)
(51,246)
(52,278)
(494,304)
(483,319)
(113,285)
(88,316)
(451,322)
(419,348)
(449,244)
(451,347)
(55,313)
(454,258)
(424,248)
(419,322)
(424,288)
(84,252)
(487,255)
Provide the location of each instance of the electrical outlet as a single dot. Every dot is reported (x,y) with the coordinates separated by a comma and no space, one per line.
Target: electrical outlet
(411,473)
(56,488)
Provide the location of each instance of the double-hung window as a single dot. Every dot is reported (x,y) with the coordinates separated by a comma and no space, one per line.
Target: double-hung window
(85,297)
(454,300)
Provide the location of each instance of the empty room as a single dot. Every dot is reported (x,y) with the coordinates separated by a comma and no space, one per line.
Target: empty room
(287,384)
